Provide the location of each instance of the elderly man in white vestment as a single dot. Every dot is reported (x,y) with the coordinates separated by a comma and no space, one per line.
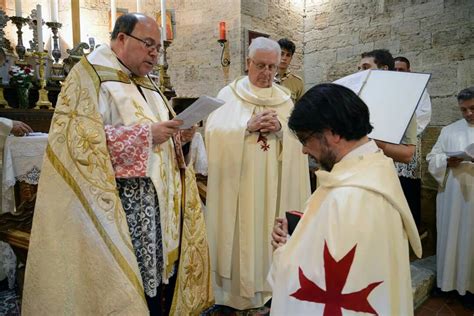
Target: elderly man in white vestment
(112,231)
(455,201)
(349,251)
(256,172)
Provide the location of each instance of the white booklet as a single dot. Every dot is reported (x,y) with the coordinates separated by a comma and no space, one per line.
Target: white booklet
(198,111)
(466,155)
(391,97)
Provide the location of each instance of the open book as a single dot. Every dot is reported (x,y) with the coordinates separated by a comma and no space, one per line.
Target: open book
(466,155)
(392,98)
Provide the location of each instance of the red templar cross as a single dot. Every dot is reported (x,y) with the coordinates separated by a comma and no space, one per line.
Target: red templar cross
(263,139)
(336,273)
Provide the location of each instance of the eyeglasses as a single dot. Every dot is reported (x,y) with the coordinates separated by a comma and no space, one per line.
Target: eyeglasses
(262,66)
(303,138)
(149,44)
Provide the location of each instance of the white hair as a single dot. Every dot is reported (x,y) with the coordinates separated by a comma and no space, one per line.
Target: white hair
(265,44)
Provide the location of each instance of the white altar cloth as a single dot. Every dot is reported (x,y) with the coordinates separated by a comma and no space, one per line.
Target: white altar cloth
(22,161)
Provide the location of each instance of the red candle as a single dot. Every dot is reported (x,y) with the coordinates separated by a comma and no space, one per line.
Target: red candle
(222,31)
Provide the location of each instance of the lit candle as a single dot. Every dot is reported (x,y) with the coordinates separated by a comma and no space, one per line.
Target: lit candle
(113,13)
(163,20)
(54,10)
(39,28)
(222,31)
(18,7)
(139,6)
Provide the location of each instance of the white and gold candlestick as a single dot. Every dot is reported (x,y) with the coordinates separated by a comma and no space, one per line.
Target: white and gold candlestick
(43,101)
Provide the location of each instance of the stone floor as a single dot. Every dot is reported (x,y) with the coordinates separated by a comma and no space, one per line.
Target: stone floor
(423,273)
(423,277)
(447,304)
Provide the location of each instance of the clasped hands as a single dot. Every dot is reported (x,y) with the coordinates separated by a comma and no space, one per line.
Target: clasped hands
(264,122)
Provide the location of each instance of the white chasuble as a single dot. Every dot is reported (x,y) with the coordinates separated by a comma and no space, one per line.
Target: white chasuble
(252,179)
(454,209)
(349,252)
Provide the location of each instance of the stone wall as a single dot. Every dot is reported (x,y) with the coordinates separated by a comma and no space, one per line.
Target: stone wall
(435,35)
(277,18)
(329,34)
(194,56)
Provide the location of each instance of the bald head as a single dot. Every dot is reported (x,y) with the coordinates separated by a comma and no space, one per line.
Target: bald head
(136,42)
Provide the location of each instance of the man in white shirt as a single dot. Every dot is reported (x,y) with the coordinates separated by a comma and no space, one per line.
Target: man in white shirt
(382,59)
(410,173)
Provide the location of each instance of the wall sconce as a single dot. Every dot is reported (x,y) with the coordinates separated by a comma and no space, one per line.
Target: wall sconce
(225,62)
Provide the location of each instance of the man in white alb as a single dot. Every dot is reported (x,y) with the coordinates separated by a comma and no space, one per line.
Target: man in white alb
(256,172)
(455,201)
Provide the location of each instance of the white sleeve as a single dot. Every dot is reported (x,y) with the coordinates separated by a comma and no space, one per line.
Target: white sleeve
(423,113)
(198,154)
(437,159)
(5,126)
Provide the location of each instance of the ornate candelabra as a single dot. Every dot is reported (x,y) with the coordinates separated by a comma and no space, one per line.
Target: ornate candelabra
(3,102)
(56,53)
(4,42)
(3,22)
(43,101)
(57,70)
(165,82)
(20,49)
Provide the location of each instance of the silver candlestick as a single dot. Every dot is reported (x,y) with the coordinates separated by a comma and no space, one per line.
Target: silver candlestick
(20,49)
(56,53)
(57,69)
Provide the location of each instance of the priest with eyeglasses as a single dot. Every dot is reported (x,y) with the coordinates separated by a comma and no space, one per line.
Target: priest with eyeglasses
(113,231)
(256,171)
